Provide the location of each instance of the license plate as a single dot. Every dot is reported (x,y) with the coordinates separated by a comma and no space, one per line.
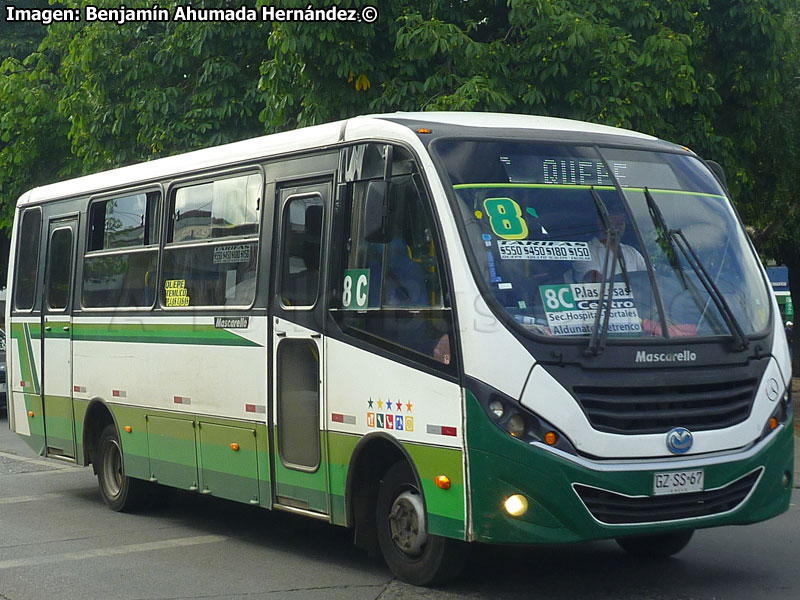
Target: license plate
(678,482)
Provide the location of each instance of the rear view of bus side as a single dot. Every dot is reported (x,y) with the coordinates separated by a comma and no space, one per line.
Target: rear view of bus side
(433,328)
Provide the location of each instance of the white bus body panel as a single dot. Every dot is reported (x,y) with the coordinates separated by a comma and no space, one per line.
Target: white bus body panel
(361,385)
(174,375)
(548,399)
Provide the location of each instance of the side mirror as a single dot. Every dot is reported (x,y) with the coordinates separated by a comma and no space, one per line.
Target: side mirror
(376,212)
(719,172)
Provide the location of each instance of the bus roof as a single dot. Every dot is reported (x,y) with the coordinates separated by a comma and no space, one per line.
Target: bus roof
(302,139)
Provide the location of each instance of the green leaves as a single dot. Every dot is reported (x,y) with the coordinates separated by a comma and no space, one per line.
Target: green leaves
(706,73)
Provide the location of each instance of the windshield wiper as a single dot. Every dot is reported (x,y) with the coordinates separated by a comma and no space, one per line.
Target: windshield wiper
(605,300)
(664,240)
(672,238)
(740,341)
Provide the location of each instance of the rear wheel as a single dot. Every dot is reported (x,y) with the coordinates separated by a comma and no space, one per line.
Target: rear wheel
(659,545)
(119,492)
(412,554)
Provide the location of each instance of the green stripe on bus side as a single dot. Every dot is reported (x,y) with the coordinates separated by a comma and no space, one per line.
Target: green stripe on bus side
(79,408)
(27,363)
(182,455)
(33,404)
(566,186)
(58,422)
(178,457)
(446,512)
(157,333)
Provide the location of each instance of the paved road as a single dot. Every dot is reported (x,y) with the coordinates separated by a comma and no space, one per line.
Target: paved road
(58,541)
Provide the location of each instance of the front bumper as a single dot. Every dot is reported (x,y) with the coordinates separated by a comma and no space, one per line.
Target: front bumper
(500,466)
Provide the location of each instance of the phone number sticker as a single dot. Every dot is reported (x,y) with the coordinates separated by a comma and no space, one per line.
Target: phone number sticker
(543,250)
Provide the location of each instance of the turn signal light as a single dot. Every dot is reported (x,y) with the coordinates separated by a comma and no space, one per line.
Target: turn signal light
(773,423)
(550,438)
(443,482)
(235,447)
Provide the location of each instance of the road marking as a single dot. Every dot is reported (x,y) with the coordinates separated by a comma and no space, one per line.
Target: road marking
(113,551)
(19,499)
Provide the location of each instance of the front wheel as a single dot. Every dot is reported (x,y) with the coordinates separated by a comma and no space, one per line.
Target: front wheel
(413,554)
(120,492)
(659,545)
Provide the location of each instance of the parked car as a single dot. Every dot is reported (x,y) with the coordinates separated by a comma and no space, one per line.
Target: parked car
(3,377)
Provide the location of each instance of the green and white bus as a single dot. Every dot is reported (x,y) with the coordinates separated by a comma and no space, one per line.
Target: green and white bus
(433,328)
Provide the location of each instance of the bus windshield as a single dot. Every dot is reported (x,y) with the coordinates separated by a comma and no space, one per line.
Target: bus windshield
(541,220)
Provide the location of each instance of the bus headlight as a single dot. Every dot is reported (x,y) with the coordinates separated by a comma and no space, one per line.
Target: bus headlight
(516,426)
(496,408)
(516,420)
(781,414)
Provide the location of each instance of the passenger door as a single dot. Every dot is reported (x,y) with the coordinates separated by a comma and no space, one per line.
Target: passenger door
(298,411)
(59,430)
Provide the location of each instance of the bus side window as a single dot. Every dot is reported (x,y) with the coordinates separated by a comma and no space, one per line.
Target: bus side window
(28,259)
(393,291)
(211,254)
(119,268)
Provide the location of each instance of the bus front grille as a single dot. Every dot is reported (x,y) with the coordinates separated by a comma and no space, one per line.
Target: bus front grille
(611,508)
(657,409)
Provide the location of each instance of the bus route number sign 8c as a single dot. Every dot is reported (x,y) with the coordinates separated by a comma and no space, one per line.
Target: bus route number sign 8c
(355,289)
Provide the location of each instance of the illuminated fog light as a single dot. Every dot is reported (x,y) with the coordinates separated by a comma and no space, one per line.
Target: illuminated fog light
(516,425)
(516,505)
(497,408)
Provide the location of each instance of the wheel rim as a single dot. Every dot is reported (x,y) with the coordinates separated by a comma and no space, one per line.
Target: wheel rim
(112,468)
(407,523)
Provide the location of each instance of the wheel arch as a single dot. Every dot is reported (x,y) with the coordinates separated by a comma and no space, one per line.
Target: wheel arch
(369,462)
(98,416)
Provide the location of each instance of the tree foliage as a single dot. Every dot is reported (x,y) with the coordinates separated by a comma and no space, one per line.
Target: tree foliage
(715,75)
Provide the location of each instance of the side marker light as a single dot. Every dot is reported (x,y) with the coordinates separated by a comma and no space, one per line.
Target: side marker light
(128,428)
(516,505)
(443,482)
(30,414)
(424,130)
(235,447)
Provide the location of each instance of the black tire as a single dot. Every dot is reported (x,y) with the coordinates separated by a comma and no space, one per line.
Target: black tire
(411,553)
(660,545)
(120,492)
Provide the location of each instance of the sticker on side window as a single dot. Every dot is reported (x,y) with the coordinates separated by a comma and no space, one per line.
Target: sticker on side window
(176,292)
(543,250)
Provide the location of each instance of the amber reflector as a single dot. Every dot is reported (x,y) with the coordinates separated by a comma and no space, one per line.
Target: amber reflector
(443,482)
